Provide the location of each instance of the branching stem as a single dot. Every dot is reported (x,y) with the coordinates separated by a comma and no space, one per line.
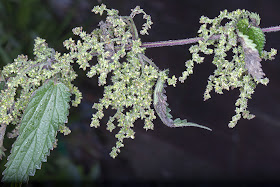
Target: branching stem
(194,40)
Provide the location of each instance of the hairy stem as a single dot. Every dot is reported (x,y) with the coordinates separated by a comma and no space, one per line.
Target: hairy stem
(194,40)
(271,29)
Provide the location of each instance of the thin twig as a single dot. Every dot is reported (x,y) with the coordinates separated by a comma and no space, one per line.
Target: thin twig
(194,40)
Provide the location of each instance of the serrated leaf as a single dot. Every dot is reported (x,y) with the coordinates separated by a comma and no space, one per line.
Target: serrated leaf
(258,37)
(242,25)
(254,33)
(251,57)
(45,113)
(160,105)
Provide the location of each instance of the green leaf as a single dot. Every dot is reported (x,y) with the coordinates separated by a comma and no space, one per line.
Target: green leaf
(254,33)
(251,57)
(258,37)
(45,113)
(160,105)
(243,25)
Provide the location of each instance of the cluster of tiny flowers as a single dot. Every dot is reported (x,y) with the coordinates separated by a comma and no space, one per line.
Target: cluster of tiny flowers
(24,76)
(222,40)
(118,50)
(117,47)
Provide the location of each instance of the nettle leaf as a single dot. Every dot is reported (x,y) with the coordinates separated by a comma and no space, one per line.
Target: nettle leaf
(45,113)
(254,33)
(252,40)
(258,37)
(251,57)
(161,108)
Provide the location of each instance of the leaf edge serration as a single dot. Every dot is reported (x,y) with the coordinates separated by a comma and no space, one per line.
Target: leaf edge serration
(36,164)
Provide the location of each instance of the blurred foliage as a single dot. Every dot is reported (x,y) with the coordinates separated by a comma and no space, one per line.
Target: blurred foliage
(23,20)
(62,168)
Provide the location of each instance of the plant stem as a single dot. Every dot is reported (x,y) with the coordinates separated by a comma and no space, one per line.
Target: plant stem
(271,29)
(194,40)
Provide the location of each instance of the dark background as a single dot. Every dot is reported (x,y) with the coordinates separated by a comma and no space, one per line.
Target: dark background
(248,152)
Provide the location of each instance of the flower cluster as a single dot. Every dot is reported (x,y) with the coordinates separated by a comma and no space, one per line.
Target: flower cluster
(22,77)
(135,89)
(116,45)
(225,41)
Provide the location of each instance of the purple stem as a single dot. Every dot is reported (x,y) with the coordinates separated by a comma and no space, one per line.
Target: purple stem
(194,40)
(271,29)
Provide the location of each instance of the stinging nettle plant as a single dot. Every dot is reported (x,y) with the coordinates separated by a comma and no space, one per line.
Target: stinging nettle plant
(35,94)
